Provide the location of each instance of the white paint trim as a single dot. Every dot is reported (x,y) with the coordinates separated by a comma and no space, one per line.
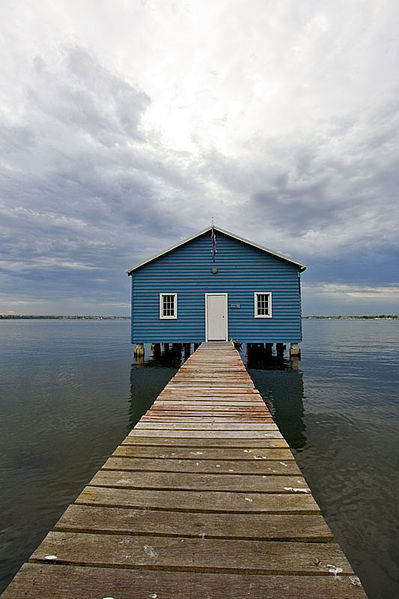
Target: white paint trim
(206,314)
(302,266)
(161,316)
(269,293)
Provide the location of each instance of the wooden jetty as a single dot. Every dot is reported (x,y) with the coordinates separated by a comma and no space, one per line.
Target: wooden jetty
(203,499)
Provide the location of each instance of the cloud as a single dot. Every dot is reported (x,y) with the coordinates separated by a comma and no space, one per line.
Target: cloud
(125,128)
(357,292)
(335,298)
(84,96)
(88,177)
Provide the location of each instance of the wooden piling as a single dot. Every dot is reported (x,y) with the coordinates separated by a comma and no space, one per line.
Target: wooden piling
(295,350)
(280,347)
(139,353)
(156,350)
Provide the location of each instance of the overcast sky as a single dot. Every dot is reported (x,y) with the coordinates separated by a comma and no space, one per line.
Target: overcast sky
(126,125)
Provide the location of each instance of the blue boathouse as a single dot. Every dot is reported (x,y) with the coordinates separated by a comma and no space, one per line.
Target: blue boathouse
(216,286)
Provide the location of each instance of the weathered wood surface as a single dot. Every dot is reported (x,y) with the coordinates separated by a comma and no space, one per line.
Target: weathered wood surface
(284,527)
(204,453)
(203,466)
(207,555)
(187,481)
(202,498)
(200,501)
(49,581)
(217,442)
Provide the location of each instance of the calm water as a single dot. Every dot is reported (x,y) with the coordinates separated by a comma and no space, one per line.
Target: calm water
(69,392)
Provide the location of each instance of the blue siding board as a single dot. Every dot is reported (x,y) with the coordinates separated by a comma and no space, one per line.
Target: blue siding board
(242,270)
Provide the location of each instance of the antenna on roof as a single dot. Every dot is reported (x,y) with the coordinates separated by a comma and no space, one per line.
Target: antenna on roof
(213,237)
(213,223)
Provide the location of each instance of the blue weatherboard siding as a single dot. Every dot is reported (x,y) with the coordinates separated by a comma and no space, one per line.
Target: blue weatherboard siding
(242,270)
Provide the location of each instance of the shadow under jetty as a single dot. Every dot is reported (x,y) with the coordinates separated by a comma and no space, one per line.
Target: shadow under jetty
(280,383)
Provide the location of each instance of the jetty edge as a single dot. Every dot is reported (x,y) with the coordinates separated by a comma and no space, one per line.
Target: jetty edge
(203,498)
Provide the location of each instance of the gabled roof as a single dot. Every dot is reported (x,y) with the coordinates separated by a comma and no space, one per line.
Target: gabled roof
(217,230)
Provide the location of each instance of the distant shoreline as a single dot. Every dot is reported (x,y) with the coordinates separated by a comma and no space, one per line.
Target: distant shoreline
(364,317)
(61,317)
(97,317)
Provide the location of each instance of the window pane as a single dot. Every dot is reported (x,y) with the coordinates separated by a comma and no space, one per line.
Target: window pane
(168,305)
(262,304)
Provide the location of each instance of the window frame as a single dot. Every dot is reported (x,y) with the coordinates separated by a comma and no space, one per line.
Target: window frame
(270,313)
(162,316)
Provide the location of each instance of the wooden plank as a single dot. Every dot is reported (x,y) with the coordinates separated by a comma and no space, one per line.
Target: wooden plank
(204,369)
(205,434)
(206,402)
(209,413)
(206,411)
(251,556)
(206,415)
(166,417)
(204,453)
(222,409)
(236,410)
(200,501)
(201,408)
(230,377)
(262,467)
(241,394)
(300,528)
(196,380)
(244,392)
(212,404)
(212,400)
(211,385)
(242,483)
(205,426)
(204,395)
(197,442)
(70,582)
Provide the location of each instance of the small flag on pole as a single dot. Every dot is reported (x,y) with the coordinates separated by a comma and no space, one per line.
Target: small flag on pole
(213,237)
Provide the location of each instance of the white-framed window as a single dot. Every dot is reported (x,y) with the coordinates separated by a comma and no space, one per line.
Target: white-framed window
(263,304)
(168,306)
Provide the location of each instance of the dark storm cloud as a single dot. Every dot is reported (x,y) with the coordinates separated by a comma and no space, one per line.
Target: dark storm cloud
(332,196)
(294,209)
(80,185)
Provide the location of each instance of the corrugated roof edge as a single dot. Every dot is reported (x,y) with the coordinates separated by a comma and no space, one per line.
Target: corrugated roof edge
(302,266)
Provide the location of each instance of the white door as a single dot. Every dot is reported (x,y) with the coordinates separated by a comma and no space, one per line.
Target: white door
(216,316)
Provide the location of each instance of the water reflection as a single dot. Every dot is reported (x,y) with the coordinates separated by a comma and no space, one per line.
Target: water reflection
(280,383)
(149,375)
(264,359)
